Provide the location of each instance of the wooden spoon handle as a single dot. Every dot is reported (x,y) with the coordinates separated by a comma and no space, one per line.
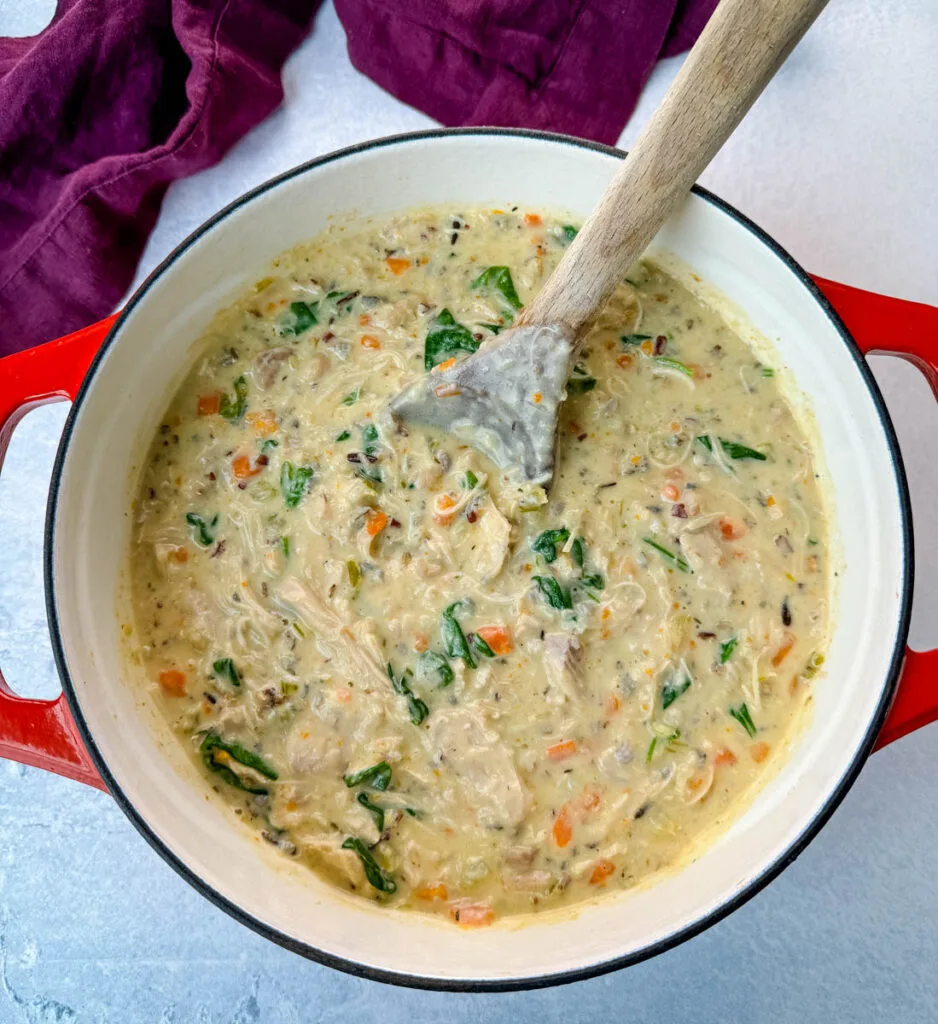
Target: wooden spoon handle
(741,48)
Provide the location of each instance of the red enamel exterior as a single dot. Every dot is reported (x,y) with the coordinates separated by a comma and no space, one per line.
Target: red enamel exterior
(41,733)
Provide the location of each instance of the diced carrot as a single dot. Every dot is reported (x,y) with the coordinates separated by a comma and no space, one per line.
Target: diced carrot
(421,643)
(442,506)
(563,830)
(432,892)
(759,752)
(561,751)
(364,319)
(369,341)
(602,870)
(625,360)
(725,756)
(242,468)
(647,347)
(612,705)
(472,915)
(732,529)
(180,555)
(397,265)
(445,365)
(537,397)
(263,422)
(670,493)
(533,220)
(782,653)
(209,405)
(375,521)
(497,637)
(173,682)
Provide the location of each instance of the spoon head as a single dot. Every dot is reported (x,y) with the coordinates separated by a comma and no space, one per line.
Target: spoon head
(503,400)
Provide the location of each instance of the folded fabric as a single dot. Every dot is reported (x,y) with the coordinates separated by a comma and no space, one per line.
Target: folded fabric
(118,98)
(101,111)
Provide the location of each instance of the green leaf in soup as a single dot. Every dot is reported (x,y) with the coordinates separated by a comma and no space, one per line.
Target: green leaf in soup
(294,483)
(454,640)
(594,580)
(371,475)
(678,561)
(344,436)
(370,439)
(546,543)
(479,646)
(494,328)
(285,546)
(499,279)
(568,232)
(677,685)
(444,338)
(469,481)
(304,316)
(553,593)
(674,364)
(634,339)
(354,572)
(577,551)
(233,408)
(430,662)
(203,530)
(732,448)
(378,776)
(727,648)
(417,708)
(225,668)
(580,381)
(742,715)
(352,397)
(374,810)
(376,875)
(217,756)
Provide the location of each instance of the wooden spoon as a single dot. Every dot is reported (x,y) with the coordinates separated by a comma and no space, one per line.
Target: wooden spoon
(504,399)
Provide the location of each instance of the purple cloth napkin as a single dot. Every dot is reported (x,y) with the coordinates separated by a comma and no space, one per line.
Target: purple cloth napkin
(117,98)
(101,111)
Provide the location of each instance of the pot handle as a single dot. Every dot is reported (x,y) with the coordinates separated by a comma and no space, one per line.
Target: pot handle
(42,733)
(912,335)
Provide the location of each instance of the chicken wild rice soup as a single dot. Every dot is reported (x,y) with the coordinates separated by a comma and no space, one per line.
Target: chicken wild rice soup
(438,690)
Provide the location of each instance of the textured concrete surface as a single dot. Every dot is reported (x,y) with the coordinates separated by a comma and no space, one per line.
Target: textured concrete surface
(838,161)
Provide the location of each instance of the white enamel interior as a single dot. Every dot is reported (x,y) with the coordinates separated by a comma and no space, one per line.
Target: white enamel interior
(120,412)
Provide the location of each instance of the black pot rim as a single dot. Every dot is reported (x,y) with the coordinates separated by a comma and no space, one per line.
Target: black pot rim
(416,980)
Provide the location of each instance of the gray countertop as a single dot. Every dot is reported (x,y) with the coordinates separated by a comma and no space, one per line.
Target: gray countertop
(838,161)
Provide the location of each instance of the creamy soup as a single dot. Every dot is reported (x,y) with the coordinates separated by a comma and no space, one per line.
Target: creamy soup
(437,690)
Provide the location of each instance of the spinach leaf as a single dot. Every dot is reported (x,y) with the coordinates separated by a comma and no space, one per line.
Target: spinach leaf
(378,776)
(445,337)
(553,593)
(569,232)
(304,317)
(454,640)
(217,756)
(268,444)
(545,544)
(634,339)
(577,549)
(767,371)
(727,648)
(344,436)
(678,561)
(233,408)
(370,439)
(732,449)
(285,546)
(674,364)
(225,668)
(494,328)
(469,480)
(480,646)
(373,809)
(294,483)
(352,397)
(418,710)
(580,381)
(673,689)
(499,278)
(430,662)
(203,531)
(375,875)
(595,581)
(741,714)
